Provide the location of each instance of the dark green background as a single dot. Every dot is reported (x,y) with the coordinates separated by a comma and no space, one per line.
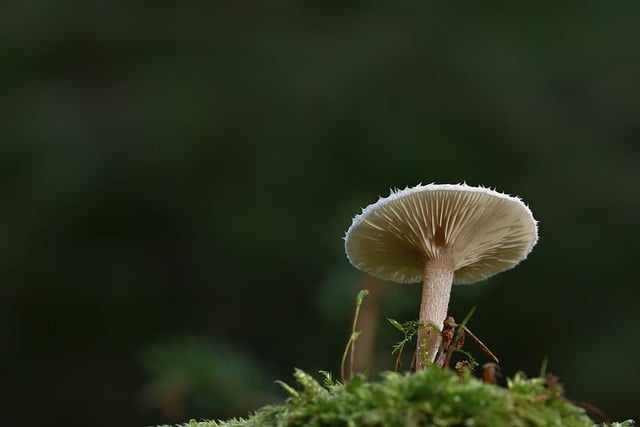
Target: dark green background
(186,171)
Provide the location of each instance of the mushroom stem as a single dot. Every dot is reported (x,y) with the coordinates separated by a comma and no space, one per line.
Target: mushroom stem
(436,290)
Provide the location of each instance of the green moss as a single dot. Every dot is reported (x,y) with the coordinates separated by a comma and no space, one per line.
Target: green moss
(433,397)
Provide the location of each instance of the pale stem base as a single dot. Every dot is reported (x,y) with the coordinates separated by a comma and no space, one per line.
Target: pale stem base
(436,290)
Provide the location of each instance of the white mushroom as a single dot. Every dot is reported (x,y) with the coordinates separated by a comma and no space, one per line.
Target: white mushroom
(440,235)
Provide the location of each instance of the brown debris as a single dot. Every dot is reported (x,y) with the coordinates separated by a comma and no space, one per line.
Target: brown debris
(491,372)
(463,367)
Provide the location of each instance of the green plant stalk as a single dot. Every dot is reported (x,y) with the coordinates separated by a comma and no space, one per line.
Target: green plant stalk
(350,347)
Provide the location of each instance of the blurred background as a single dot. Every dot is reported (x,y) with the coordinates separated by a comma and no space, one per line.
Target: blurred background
(176,179)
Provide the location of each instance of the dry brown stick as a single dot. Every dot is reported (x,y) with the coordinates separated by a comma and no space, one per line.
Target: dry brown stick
(447,347)
(480,344)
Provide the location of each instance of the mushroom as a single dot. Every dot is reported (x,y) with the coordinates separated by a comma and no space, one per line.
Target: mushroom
(440,234)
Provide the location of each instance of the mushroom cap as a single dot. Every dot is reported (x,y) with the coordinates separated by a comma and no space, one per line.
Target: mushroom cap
(481,231)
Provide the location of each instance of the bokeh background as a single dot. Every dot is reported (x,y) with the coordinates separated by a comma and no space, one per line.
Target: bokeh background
(176,179)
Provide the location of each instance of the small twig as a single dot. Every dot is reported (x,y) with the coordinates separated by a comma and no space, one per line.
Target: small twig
(458,339)
(593,410)
(446,349)
(480,344)
(453,335)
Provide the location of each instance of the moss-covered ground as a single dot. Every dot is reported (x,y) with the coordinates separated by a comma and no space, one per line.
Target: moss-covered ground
(432,397)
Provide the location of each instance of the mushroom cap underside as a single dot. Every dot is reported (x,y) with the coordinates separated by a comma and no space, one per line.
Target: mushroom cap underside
(481,231)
